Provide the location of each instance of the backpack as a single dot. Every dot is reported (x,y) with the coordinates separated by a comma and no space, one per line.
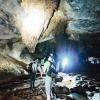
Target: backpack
(52,70)
(33,67)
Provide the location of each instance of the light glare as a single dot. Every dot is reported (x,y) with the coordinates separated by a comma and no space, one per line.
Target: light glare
(65,61)
(33,22)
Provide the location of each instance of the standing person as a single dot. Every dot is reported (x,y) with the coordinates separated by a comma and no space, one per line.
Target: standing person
(42,65)
(51,55)
(58,66)
(33,66)
(48,80)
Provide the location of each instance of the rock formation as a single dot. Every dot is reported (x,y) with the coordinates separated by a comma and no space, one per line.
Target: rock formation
(28,26)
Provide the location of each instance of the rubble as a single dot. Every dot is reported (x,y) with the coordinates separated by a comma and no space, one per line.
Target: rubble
(61,90)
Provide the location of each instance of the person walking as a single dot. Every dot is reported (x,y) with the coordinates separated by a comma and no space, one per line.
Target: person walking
(33,66)
(48,80)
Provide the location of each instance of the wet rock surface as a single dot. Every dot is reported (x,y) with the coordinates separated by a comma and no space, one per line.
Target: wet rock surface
(82,86)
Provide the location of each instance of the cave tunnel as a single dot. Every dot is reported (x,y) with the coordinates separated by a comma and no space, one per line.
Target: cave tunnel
(34,29)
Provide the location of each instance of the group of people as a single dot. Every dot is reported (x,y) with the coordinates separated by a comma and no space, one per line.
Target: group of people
(44,68)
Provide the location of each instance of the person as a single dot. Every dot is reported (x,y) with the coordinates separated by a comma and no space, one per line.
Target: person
(33,66)
(48,80)
(42,65)
(58,66)
(51,55)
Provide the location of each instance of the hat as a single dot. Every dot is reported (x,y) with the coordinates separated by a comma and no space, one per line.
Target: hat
(51,54)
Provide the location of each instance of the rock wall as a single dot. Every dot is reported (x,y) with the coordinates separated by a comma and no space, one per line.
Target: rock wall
(10,68)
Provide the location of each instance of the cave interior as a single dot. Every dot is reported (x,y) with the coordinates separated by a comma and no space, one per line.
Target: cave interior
(36,28)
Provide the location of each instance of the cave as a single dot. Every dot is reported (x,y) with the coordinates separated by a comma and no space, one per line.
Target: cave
(68,29)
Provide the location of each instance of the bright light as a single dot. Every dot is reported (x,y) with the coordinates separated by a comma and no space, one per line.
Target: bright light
(33,22)
(32,26)
(65,62)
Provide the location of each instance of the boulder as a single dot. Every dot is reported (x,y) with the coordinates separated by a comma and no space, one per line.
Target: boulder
(79,90)
(60,90)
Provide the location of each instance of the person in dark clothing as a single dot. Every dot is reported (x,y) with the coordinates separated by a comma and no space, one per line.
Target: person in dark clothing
(33,66)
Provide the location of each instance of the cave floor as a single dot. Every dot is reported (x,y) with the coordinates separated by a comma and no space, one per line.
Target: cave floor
(18,88)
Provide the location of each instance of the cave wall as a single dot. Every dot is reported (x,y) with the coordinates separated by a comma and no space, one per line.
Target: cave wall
(10,68)
(68,25)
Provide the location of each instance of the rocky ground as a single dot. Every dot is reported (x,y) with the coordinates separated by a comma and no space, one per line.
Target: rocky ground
(70,86)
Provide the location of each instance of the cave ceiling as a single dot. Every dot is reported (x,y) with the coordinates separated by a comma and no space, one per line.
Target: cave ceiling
(22,30)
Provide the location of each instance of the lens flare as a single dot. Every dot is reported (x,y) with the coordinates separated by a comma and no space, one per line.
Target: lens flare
(65,62)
